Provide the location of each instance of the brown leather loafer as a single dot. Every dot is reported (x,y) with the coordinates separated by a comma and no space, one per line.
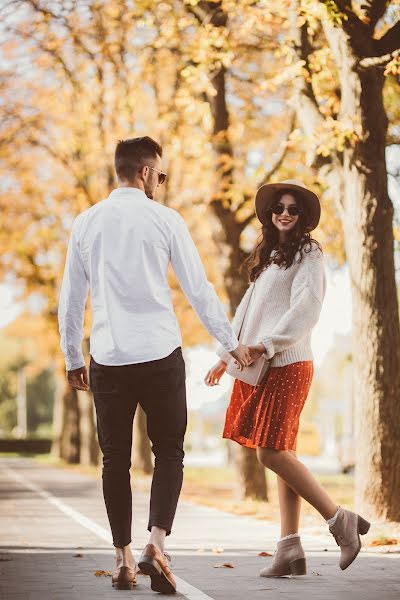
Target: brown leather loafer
(124,578)
(155,564)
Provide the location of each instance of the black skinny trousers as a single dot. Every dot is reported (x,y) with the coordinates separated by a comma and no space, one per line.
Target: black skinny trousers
(159,387)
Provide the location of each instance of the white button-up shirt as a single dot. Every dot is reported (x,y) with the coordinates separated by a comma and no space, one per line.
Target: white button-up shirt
(121,248)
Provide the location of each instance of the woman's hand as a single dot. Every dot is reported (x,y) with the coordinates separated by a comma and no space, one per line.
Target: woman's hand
(215,373)
(256,351)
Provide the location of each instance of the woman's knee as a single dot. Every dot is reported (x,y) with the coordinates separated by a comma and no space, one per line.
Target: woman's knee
(270,457)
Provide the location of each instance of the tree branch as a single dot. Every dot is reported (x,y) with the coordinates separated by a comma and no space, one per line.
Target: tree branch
(55,55)
(243,224)
(305,103)
(76,37)
(377,61)
(374,11)
(389,42)
(282,154)
(274,168)
(66,163)
(358,32)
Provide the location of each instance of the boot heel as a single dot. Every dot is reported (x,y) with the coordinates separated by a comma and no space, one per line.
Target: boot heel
(298,567)
(363,526)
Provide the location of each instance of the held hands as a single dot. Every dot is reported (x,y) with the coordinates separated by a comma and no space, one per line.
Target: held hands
(256,351)
(78,379)
(247,354)
(242,356)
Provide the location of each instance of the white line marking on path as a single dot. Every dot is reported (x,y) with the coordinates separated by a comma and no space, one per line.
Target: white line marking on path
(191,592)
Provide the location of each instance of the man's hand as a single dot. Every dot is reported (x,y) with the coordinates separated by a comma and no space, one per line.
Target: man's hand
(215,373)
(78,379)
(242,356)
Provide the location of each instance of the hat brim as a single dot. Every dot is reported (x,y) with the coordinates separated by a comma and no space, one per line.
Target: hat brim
(266,194)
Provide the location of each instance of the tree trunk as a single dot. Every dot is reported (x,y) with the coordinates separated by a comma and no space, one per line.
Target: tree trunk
(252,479)
(359,180)
(368,225)
(141,444)
(69,435)
(89,447)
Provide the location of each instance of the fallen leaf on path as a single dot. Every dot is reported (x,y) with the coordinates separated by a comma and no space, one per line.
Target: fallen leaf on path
(78,555)
(101,573)
(265,554)
(224,565)
(217,550)
(5,557)
(384,541)
(315,573)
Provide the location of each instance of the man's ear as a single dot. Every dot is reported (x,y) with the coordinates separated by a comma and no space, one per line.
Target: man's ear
(143,172)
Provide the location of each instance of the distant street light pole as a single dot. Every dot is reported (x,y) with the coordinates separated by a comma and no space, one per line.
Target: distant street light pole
(22,421)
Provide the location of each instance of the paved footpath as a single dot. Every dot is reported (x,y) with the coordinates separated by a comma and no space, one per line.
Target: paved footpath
(54,537)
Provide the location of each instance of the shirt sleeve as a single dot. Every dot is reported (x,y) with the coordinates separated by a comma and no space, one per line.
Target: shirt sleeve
(306,297)
(71,305)
(199,291)
(236,322)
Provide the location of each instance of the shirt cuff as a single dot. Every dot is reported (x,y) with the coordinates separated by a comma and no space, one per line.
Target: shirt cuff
(76,363)
(223,354)
(230,344)
(269,347)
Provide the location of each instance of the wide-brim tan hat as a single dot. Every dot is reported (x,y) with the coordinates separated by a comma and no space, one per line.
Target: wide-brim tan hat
(266,194)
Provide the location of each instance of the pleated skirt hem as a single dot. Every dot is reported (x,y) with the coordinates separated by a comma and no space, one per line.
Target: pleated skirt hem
(268,415)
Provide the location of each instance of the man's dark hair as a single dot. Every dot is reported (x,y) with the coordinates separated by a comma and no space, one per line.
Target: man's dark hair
(131,155)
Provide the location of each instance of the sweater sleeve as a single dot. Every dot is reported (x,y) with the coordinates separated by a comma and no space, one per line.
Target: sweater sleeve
(306,297)
(236,322)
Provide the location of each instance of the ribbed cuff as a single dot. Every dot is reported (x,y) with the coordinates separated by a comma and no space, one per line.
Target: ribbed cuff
(269,347)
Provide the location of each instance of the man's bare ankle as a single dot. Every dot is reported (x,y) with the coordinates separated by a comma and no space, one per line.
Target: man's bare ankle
(157,538)
(124,557)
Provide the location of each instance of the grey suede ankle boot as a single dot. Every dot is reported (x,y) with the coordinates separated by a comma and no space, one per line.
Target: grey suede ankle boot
(289,559)
(346,531)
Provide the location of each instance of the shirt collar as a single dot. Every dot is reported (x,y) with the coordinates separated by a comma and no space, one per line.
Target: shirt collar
(130,192)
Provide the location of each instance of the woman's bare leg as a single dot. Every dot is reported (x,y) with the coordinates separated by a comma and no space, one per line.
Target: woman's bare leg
(289,506)
(298,478)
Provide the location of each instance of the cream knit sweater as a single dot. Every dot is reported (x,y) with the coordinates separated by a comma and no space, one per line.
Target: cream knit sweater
(283,309)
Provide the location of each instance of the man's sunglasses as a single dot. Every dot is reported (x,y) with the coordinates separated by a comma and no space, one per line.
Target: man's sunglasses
(279,209)
(161,175)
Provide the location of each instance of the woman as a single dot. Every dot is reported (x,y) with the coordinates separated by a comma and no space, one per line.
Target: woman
(276,316)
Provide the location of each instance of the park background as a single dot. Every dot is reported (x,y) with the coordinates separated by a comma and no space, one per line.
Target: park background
(238,94)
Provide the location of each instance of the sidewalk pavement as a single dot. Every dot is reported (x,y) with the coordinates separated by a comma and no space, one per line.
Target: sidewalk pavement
(54,537)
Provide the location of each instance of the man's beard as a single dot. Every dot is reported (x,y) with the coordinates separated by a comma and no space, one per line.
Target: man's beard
(148,193)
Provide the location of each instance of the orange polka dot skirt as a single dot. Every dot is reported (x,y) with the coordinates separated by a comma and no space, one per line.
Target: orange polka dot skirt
(268,415)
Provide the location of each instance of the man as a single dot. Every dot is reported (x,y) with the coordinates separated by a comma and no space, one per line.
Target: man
(121,248)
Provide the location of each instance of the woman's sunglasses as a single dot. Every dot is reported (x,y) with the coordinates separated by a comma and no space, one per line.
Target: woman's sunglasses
(161,175)
(293,210)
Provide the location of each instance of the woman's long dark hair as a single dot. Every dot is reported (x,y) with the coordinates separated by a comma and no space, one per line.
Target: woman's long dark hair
(299,240)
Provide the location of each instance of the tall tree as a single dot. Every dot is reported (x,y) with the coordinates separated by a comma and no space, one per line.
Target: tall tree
(347,139)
